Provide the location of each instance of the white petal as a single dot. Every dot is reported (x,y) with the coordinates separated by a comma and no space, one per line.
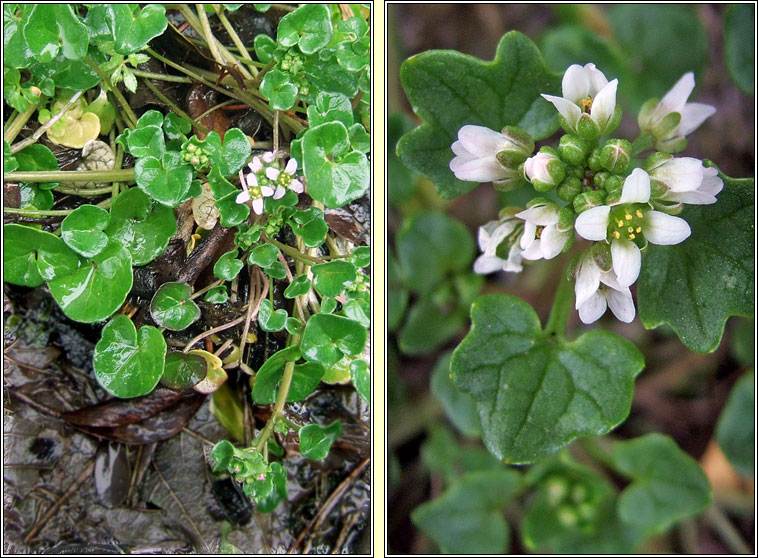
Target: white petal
(268,157)
(541,215)
(486,264)
(693,115)
(596,77)
(477,170)
(272,173)
(697,197)
(626,261)
(258,206)
(636,188)
(296,186)
(593,223)
(514,260)
(677,96)
(552,241)
(570,111)
(593,308)
(576,83)
(663,229)
(530,232)
(251,180)
(242,197)
(604,105)
(291,166)
(621,304)
(279,193)
(256,165)
(533,251)
(587,280)
(682,174)
(482,141)
(461,151)
(267,191)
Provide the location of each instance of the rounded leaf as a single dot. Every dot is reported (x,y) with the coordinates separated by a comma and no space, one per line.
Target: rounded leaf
(173,308)
(317,440)
(327,338)
(183,370)
(83,229)
(331,278)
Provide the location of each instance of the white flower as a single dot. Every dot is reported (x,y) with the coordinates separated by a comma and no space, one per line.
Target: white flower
(675,101)
(686,180)
(490,236)
(285,179)
(545,171)
(596,290)
(628,223)
(476,154)
(252,191)
(542,237)
(588,98)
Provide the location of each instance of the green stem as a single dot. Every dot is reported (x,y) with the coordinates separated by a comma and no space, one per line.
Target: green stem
(179,112)
(161,77)
(124,105)
(105,204)
(205,26)
(728,533)
(281,397)
(290,251)
(562,304)
(120,175)
(206,289)
(18,123)
(643,142)
(84,192)
(592,447)
(235,38)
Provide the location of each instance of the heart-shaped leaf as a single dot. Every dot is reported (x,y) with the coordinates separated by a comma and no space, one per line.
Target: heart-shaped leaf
(228,266)
(696,285)
(331,278)
(317,440)
(133,30)
(168,181)
(360,375)
(182,371)
(668,485)
(335,173)
(361,256)
(535,393)
(32,256)
(97,289)
(271,320)
(127,363)
(310,225)
(83,230)
(280,90)
(330,107)
(739,45)
(309,27)
(494,94)
(300,285)
(38,157)
(235,152)
(143,226)
(147,140)
(54,27)
(327,338)
(230,212)
(305,378)
(217,295)
(263,255)
(173,308)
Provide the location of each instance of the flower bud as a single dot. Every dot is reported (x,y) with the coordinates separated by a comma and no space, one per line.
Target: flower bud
(587,128)
(599,178)
(613,182)
(573,149)
(655,160)
(565,219)
(616,155)
(593,161)
(569,189)
(588,200)
(545,170)
(520,145)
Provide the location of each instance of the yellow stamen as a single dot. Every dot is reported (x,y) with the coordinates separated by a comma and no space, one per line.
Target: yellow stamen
(586,104)
(638,229)
(632,237)
(630,229)
(620,223)
(628,217)
(616,234)
(638,213)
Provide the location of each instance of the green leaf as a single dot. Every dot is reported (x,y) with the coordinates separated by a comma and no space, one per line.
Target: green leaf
(331,278)
(217,295)
(335,174)
(173,308)
(468,517)
(127,363)
(459,407)
(360,140)
(536,393)
(182,371)
(263,255)
(449,90)
(327,338)
(143,226)
(401,181)
(147,140)
(271,320)
(310,225)
(41,32)
(430,324)
(38,157)
(300,285)
(330,107)
(231,213)
(309,27)
(397,295)
(35,198)
(222,453)
(97,289)
(227,267)
(83,228)
(430,246)
(264,47)
(328,75)
(16,52)
(167,181)
(278,478)
(133,30)
(67,74)
(735,431)
(305,378)
(230,156)
(279,89)
(360,375)
(739,45)
(317,440)
(32,256)
(696,285)
(361,256)
(668,485)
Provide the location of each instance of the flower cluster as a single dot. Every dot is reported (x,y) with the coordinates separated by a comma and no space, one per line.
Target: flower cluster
(267,180)
(600,196)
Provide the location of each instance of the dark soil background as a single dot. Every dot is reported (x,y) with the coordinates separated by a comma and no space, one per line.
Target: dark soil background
(680,393)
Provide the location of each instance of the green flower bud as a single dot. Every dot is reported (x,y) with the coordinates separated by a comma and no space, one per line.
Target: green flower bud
(557,489)
(545,170)
(566,217)
(587,128)
(666,125)
(588,200)
(593,161)
(600,178)
(616,155)
(573,149)
(613,182)
(569,188)
(520,146)
(655,160)
(601,253)
(567,516)
(643,118)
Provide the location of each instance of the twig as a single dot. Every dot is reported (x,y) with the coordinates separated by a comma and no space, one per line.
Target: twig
(200,437)
(38,406)
(161,77)
(330,502)
(252,311)
(720,522)
(66,495)
(16,147)
(201,257)
(344,532)
(15,127)
(212,331)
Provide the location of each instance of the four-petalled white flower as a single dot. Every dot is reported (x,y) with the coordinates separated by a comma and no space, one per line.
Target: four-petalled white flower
(490,236)
(476,154)
(252,191)
(597,290)
(628,223)
(686,180)
(587,96)
(285,179)
(675,100)
(542,237)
